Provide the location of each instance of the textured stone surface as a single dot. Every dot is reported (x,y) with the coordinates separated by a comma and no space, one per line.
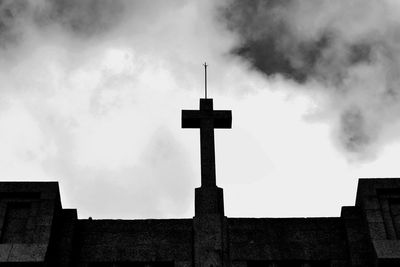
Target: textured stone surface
(285,239)
(27,212)
(56,237)
(387,249)
(209,200)
(136,240)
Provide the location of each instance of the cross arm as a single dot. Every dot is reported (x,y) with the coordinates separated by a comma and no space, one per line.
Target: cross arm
(193,118)
(222,119)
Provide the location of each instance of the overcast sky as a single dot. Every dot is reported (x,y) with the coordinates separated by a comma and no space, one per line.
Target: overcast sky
(91,93)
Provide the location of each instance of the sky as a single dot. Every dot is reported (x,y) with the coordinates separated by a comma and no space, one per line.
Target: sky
(92,91)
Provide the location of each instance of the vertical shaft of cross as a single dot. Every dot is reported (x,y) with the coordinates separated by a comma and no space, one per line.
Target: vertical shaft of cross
(207,152)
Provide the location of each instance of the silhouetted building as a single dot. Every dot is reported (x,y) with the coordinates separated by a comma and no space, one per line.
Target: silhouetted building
(37,231)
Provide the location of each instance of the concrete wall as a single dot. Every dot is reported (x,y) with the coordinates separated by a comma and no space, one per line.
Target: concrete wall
(36,231)
(302,239)
(379,200)
(27,212)
(135,241)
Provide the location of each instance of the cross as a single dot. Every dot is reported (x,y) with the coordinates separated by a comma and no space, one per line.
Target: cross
(207,120)
(205,78)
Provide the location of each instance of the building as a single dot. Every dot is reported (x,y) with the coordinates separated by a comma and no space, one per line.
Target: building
(37,231)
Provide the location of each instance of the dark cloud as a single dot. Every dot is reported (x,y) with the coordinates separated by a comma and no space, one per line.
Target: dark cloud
(84,17)
(272,43)
(10,13)
(348,48)
(271,57)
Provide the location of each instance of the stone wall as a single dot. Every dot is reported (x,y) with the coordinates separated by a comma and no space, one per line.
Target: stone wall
(36,231)
(285,239)
(134,241)
(27,212)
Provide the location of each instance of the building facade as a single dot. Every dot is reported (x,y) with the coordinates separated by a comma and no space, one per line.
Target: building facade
(37,231)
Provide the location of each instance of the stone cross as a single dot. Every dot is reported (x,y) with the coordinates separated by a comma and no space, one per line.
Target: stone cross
(207,120)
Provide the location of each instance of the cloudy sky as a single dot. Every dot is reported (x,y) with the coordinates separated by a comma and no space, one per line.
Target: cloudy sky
(91,93)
